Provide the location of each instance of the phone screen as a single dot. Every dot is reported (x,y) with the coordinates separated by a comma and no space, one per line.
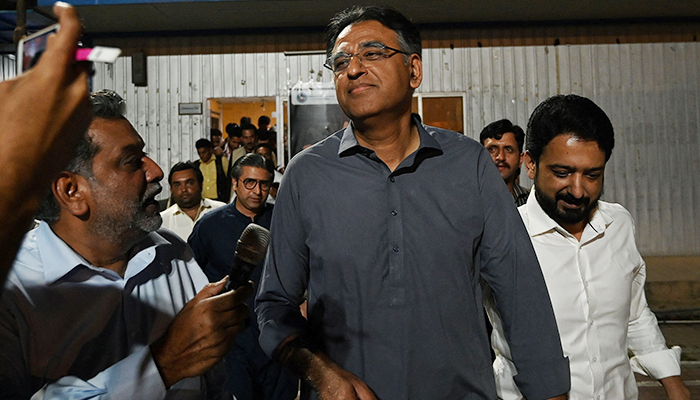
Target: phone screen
(32,47)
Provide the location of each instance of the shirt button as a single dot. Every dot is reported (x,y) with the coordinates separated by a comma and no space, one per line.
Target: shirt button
(392,179)
(591,322)
(595,359)
(585,283)
(394,212)
(396,249)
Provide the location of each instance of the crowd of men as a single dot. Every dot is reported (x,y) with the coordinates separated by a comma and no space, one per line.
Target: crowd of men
(397,235)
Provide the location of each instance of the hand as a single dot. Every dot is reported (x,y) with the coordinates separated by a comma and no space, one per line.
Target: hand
(675,388)
(43,113)
(338,383)
(218,151)
(46,110)
(326,377)
(202,332)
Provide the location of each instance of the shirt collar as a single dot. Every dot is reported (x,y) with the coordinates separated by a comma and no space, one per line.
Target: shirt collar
(539,222)
(237,213)
(202,205)
(59,258)
(349,144)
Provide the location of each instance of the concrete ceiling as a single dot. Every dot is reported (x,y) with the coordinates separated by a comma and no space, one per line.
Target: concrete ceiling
(246,14)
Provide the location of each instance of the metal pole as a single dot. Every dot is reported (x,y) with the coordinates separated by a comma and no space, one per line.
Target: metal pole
(21,28)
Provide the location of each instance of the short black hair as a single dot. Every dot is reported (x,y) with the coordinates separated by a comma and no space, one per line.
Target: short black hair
(233,129)
(569,114)
(184,166)
(264,120)
(106,104)
(263,134)
(252,160)
(496,130)
(215,132)
(264,145)
(202,144)
(246,127)
(407,33)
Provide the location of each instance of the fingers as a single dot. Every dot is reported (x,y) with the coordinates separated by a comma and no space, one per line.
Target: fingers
(60,49)
(229,300)
(210,290)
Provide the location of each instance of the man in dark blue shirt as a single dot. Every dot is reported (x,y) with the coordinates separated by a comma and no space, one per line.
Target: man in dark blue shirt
(391,225)
(251,373)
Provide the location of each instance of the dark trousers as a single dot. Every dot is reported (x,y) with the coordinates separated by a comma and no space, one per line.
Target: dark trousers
(252,375)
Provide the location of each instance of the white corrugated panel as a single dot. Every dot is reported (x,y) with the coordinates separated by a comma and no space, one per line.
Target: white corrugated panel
(8,67)
(651,93)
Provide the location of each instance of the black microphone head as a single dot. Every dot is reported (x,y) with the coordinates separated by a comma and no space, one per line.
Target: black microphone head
(252,245)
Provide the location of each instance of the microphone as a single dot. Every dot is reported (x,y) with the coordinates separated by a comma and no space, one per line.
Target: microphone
(250,251)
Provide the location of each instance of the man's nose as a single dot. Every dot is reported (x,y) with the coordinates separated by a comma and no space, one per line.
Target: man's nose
(153,171)
(576,186)
(500,155)
(355,67)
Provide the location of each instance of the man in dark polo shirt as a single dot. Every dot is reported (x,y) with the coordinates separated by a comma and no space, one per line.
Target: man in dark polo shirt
(251,373)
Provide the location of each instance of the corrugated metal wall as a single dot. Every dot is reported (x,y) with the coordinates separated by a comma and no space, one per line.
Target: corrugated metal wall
(8,67)
(651,92)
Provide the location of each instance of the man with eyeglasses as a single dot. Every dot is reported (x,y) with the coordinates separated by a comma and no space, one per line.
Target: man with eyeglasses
(390,225)
(250,373)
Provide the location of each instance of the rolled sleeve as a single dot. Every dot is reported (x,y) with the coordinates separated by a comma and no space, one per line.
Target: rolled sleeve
(644,338)
(659,364)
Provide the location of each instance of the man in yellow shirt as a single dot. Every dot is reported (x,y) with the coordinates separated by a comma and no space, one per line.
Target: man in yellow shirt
(216,184)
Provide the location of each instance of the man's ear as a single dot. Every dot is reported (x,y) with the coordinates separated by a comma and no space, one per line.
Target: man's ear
(72,193)
(530,165)
(416,65)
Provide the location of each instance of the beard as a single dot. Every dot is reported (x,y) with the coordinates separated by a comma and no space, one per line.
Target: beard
(566,216)
(125,221)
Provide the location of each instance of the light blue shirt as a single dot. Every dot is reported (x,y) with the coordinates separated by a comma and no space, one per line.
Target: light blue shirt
(78,331)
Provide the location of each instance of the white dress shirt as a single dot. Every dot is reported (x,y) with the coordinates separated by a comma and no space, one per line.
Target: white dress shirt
(78,331)
(179,222)
(597,290)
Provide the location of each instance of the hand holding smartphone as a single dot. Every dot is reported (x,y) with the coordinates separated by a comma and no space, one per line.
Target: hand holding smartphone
(31,48)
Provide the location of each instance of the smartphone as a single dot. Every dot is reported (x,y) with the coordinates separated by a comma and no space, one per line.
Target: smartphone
(33,46)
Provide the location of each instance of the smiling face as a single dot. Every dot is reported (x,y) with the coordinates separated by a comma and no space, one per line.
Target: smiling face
(382,88)
(124,183)
(569,180)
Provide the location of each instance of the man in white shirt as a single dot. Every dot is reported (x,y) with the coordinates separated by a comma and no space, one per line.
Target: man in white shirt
(185,181)
(586,249)
(100,305)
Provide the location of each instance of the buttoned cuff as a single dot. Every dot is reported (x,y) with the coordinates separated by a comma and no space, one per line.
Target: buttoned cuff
(659,364)
(543,381)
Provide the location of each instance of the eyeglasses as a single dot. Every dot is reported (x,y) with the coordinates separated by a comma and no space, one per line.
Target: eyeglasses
(369,55)
(250,184)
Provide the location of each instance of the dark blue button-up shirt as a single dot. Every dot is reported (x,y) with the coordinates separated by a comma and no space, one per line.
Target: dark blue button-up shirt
(392,262)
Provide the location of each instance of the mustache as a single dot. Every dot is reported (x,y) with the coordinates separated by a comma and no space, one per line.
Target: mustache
(569,198)
(151,191)
(503,164)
